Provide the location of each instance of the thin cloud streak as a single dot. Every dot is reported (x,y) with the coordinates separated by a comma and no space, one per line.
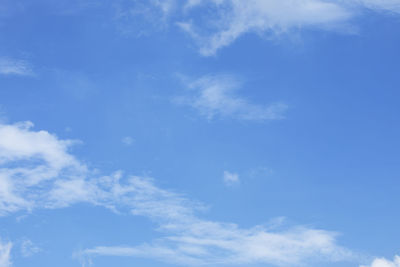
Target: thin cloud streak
(227,20)
(127,140)
(191,240)
(5,254)
(17,67)
(215,96)
(380,5)
(235,18)
(53,178)
(28,248)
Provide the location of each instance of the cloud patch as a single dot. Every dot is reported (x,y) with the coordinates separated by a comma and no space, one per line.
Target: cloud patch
(215,96)
(231,179)
(29,160)
(28,248)
(382,262)
(189,239)
(17,67)
(37,171)
(380,5)
(127,140)
(5,254)
(235,18)
(215,24)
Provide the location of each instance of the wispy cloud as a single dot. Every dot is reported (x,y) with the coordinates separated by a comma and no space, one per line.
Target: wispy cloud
(127,140)
(191,240)
(215,96)
(5,251)
(75,84)
(166,6)
(382,262)
(235,18)
(38,172)
(140,17)
(380,5)
(214,24)
(28,248)
(28,159)
(10,66)
(230,178)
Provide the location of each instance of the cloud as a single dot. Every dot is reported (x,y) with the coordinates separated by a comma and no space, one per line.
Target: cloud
(39,172)
(29,160)
(214,96)
(235,18)
(380,5)
(215,24)
(140,17)
(127,140)
(382,262)
(28,248)
(5,257)
(190,240)
(10,66)
(166,6)
(231,179)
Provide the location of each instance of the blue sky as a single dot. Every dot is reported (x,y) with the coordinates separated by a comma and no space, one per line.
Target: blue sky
(199,133)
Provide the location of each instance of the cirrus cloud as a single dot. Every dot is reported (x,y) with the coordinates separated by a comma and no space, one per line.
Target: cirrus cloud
(9,66)
(37,172)
(215,96)
(215,24)
(5,251)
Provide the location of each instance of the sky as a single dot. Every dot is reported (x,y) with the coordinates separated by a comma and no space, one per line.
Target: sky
(254,133)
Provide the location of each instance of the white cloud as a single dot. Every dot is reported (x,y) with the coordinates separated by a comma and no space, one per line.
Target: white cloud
(230,178)
(382,262)
(10,66)
(5,257)
(191,240)
(236,17)
(379,5)
(166,6)
(28,248)
(214,96)
(140,17)
(274,17)
(38,172)
(127,140)
(215,24)
(28,161)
